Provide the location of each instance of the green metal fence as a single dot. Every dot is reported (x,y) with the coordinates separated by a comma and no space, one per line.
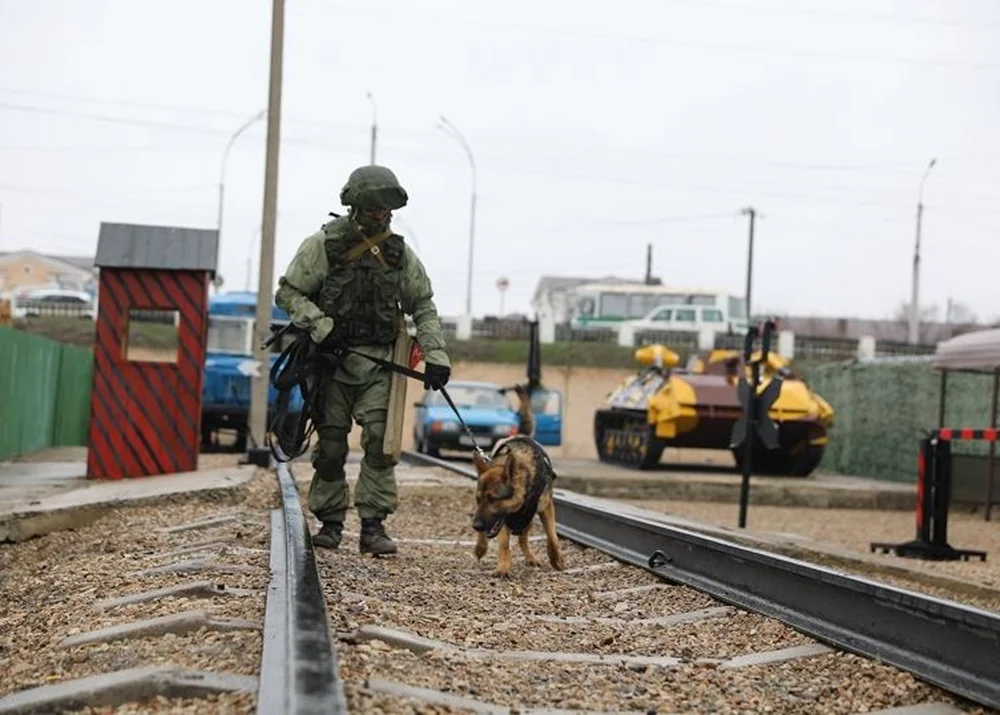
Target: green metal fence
(44,393)
(883,409)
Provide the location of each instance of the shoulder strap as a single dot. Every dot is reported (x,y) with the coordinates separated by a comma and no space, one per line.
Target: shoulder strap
(368,244)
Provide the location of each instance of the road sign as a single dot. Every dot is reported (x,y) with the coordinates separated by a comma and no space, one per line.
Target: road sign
(503,283)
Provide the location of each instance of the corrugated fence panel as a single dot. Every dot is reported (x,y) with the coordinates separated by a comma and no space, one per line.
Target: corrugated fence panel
(44,393)
(35,391)
(73,401)
(8,378)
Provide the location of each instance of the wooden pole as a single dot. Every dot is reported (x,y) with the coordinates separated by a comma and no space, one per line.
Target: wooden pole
(993,446)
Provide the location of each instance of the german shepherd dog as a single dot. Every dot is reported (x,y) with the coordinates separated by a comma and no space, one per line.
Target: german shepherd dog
(515,485)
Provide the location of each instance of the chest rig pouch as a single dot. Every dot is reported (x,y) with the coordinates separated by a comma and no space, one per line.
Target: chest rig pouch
(363,287)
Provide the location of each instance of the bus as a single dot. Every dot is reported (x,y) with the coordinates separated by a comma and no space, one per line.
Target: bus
(660,307)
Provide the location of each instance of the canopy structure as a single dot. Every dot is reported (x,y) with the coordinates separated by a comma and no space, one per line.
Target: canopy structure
(970,352)
(977,352)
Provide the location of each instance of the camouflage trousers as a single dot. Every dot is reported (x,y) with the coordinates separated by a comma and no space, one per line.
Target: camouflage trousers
(375,493)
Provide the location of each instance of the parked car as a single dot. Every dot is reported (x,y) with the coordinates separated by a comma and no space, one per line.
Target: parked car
(490,414)
(54,302)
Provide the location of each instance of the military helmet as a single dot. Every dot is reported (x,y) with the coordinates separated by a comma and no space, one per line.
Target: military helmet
(373,187)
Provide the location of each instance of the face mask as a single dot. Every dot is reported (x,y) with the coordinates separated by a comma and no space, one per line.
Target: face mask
(368,224)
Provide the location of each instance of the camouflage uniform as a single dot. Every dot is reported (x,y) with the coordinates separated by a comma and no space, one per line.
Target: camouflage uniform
(349,299)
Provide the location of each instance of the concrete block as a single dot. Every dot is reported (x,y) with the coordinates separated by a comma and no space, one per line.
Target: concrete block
(418,644)
(176,623)
(192,565)
(626,336)
(706,339)
(546,331)
(866,347)
(786,343)
(195,589)
(209,523)
(606,595)
(201,546)
(776,656)
(109,690)
(703,614)
(921,709)
(463,327)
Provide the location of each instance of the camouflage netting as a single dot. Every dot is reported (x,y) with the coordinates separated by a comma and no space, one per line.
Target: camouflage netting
(884,409)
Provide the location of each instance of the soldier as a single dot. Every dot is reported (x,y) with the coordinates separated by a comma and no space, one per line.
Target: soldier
(349,285)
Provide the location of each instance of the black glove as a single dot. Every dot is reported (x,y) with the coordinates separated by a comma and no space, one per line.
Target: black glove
(436,376)
(332,343)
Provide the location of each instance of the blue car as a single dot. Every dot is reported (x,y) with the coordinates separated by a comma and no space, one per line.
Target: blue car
(229,363)
(490,415)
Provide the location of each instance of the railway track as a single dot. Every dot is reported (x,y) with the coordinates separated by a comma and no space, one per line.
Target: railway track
(223,609)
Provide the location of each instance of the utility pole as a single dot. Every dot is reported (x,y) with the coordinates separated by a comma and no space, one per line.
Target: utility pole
(753,215)
(258,453)
(374,130)
(649,264)
(914,331)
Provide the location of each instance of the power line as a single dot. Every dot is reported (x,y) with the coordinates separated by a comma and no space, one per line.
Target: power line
(853,16)
(647,154)
(659,40)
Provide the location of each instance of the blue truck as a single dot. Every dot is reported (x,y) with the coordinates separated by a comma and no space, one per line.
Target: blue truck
(229,364)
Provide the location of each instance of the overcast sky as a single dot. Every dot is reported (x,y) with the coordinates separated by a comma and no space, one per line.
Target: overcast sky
(597,127)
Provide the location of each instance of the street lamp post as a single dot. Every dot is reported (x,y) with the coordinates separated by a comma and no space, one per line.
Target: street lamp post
(374,130)
(409,230)
(225,157)
(914,328)
(454,133)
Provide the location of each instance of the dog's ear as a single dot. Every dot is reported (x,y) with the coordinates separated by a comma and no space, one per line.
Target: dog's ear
(509,470)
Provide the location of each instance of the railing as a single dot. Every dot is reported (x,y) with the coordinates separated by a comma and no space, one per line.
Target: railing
(516,330)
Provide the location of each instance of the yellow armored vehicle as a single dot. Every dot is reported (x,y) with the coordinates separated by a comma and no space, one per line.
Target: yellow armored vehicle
(696,406)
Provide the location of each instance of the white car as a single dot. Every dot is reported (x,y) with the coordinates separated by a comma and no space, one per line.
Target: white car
(54,302)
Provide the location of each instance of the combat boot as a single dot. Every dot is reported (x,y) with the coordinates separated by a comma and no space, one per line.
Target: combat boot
(328,537)
(374,540)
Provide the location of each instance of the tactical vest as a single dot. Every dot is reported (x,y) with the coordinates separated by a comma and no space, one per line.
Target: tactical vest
(362,295)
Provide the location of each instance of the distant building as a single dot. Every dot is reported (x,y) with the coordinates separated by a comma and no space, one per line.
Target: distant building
(551,298)
(28,270)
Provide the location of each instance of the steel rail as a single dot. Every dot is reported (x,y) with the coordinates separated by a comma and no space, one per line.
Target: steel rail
(951,645)
(299,671)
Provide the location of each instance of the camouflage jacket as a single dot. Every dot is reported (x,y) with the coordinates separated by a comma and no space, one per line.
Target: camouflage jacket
(299,291)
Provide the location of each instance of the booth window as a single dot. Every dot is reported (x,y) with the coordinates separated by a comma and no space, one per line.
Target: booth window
(152,335)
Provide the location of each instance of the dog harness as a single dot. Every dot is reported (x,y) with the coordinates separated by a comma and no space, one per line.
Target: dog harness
(520,519)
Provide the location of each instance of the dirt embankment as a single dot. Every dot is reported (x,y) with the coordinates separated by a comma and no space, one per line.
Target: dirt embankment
(583,388)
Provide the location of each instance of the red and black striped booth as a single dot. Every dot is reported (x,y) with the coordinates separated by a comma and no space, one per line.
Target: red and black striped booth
(149,352)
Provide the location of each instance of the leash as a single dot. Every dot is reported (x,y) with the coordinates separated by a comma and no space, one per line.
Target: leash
(301,355)
(408,372)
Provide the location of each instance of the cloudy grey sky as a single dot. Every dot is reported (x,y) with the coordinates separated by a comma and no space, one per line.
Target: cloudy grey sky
(597,127)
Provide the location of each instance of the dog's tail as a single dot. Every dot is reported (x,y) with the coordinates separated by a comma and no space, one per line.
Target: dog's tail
(527,425)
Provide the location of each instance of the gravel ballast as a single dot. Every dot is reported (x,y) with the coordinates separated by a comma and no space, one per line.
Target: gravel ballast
(51,584)
(973,582)
(441,592)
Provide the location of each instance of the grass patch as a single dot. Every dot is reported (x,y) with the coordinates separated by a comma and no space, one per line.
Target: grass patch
(77,331)
(82,332)
(563,353)
(71,330)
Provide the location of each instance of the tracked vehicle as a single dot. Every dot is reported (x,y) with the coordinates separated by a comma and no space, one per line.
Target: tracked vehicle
(696,406)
